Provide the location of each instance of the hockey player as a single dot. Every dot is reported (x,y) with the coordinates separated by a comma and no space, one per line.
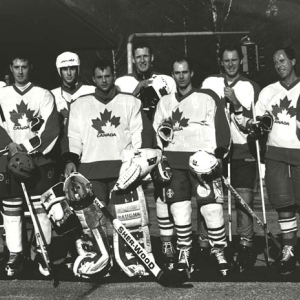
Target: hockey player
(68,67)
(23,103)
(144,83)
(104,129)
(280,101)
(239,92)
(198,121)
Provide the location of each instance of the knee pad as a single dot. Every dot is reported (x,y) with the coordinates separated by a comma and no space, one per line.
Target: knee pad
(131,210)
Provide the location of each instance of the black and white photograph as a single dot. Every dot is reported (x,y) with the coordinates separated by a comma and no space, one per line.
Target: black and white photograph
(141,143)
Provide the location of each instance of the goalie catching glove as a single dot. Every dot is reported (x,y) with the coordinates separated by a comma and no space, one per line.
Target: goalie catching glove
(260,126)
(165,130)
(136,164)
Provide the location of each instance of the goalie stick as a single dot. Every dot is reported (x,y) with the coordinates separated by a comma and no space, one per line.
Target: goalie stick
(251,212)
(166,277)
(39,236)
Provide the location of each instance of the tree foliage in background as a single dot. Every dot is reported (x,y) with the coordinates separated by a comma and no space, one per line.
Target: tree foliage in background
(272,24)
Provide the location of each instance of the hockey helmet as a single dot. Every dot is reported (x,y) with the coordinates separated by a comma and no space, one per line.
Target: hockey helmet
(21,165)
(79,191)
(205,165)
(67,59)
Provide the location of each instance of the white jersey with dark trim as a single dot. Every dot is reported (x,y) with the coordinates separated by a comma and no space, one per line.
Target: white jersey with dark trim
(98,132)
(199,123)
(64,98)
(246,92)
(281,101)
(19,107)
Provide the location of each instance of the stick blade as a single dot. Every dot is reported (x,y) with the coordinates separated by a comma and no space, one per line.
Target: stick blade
(170,278)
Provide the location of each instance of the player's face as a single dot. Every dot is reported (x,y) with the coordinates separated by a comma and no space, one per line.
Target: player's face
(69,75)
(104,79)
(142,59)
(283,65)
(20,70)
(231,63)
(182,75)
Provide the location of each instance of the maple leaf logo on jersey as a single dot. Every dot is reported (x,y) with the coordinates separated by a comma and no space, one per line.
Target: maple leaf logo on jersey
(106,124)
(178,121)
(283,113)
(21,116)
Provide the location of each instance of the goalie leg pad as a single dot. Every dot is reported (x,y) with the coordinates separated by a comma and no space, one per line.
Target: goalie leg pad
(92,247)
(131,209)
(214,219)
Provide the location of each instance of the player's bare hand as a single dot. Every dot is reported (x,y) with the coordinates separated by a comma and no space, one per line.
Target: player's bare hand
(13,148)
(230,95)
(70,168)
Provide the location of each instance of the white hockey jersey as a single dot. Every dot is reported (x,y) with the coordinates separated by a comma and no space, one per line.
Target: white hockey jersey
(199,123)
(64,97)
(19,107)
(281,101)
(99,131)
(246,92)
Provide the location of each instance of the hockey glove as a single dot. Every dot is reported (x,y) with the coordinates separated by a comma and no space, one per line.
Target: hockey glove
(165,130)
(162,173)
(260,126)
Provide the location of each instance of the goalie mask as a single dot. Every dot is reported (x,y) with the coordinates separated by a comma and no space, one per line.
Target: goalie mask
(205,165)
(79,191)
(21,165)
(67,59)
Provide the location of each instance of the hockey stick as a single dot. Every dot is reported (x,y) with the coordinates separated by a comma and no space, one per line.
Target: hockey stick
(39,236)
(251,212)
(165,278)
(261,192)
(229,193)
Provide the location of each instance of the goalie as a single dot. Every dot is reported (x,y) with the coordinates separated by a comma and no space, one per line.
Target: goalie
(185,122)
(108,136)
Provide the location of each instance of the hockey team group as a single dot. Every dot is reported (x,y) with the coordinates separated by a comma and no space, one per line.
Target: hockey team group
(80,156)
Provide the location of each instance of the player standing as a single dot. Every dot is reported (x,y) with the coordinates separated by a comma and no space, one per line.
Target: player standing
(241,94)
(199,122)
(103,128)
(280,100)
(144,83)
(22,103)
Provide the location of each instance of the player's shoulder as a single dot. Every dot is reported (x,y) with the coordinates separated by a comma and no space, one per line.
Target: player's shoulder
(213,79)
(207,93)
(246,80)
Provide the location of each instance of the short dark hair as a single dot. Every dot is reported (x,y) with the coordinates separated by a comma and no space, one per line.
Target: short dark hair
(102,64)
(21,56)
(231,47)
(289,51)
(184,59)
(141,44)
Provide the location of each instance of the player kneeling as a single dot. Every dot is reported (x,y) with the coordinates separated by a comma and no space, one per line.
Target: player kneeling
(72,211)
(209,195)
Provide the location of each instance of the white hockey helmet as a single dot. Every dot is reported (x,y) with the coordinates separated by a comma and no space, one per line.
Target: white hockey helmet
(67,59)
